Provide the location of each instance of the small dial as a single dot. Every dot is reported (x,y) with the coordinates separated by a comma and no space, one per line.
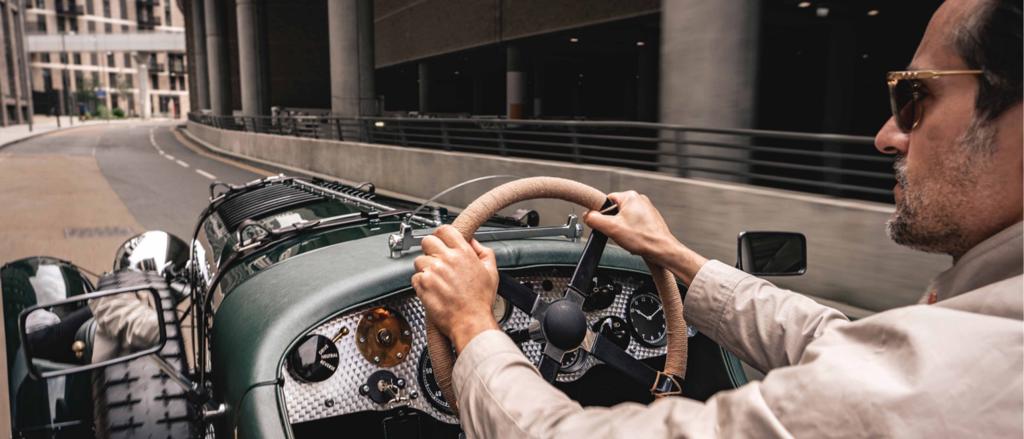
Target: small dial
(573,361)
(429,385)
(383,337)
(500,309)
(602,293)
(314,359)
(647,318)
(614,329)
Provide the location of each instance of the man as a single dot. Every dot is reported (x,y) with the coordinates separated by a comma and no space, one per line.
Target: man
(950,367)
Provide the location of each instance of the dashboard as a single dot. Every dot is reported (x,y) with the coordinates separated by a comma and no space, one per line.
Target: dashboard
(373,358)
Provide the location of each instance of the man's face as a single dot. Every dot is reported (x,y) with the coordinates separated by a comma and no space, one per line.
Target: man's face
(958,179)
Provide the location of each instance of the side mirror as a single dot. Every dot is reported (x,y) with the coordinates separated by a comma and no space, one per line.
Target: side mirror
(59,337)
(772,253)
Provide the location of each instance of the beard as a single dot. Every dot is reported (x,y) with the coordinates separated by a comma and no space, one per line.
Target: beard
(929,217)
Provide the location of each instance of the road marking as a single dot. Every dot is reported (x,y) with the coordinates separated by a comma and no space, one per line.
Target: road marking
(168,157)
(206,174)
(183,164)
(152,141)
(192,145)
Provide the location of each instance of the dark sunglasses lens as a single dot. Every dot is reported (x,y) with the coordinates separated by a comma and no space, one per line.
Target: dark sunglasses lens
(904,105)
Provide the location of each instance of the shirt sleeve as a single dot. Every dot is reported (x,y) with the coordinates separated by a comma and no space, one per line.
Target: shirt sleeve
(502,395)
(766,326)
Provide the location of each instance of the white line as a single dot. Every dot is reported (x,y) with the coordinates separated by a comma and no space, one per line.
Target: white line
(169,157)
(206,174)
(183,164)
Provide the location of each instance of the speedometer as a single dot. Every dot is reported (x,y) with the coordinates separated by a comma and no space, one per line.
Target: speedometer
(430,387)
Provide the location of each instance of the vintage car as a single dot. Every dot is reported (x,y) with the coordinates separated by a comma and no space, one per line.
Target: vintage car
(290,313)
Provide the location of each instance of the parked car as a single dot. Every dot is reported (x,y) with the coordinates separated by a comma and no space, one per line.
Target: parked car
(289,313)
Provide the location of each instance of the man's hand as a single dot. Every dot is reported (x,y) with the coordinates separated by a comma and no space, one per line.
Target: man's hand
(640,229)
(456,281)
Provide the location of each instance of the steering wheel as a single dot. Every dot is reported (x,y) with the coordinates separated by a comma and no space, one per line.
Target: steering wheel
(562,324)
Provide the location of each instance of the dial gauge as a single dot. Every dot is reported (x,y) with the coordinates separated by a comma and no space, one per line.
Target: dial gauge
(647,319)
(383,337)
(429,385)
(500,309)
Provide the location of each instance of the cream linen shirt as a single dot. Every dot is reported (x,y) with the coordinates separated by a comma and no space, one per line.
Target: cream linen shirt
(952,369)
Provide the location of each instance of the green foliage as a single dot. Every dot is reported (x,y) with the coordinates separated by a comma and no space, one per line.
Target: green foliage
(118,113)
(101,112)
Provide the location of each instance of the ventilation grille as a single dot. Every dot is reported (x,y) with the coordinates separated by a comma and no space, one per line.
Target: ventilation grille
(261,202)
(347,190)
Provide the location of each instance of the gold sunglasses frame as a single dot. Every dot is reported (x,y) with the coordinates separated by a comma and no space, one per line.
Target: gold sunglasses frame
(893,78)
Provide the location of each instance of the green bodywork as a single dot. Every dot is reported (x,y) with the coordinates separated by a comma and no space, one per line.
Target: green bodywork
(259,320)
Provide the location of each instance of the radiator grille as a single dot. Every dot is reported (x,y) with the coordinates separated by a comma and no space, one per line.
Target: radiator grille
(261,202)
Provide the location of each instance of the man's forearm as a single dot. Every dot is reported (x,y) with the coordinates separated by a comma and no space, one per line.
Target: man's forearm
(680,260)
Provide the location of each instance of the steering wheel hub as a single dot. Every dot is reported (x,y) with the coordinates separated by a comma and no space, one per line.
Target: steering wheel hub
(564,324)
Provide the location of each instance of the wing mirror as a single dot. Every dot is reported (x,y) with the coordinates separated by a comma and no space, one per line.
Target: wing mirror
(772,253)
(65,337)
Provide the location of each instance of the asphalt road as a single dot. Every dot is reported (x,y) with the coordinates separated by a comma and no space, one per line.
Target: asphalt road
(162,183)
(78,194)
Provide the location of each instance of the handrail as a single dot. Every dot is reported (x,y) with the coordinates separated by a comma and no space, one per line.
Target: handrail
(831,164)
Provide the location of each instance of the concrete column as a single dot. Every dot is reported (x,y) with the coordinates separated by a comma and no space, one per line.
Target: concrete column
(10,22)
(350,37)
(514,83)
(252,58)
(22,57)
(217,58)
(424,85)
(6,90)
(142,71)
(199,71)
(708,74)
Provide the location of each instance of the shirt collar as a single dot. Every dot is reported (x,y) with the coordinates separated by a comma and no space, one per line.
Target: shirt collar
(999,257)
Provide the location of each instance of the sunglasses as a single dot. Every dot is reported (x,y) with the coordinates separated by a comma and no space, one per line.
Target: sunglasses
(906,91)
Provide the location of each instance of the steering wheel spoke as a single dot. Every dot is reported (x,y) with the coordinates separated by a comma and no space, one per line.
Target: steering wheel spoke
(550,362)
(519,295)
(611,354)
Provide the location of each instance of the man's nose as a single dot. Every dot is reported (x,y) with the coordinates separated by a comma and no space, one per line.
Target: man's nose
(890,140)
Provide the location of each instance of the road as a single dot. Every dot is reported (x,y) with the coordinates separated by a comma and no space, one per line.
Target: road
(78,194)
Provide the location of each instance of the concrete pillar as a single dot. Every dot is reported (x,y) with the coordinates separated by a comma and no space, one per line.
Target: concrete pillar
(10,22)
(22,57)
(350,36)
(217,58)
(708,75)
(199,71)
(514,82)
(252,58)
(142,71)
(424,85)
(6,90)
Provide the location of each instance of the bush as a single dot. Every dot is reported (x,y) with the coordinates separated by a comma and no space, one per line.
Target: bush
(101,112)
(118,113)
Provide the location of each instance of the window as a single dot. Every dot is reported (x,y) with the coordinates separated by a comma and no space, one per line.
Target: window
(94,59)
(89,7)
(78,58)
(174,83)
(167,13)
(108,28)
(61,25)
(41,4)
(110,59)
(47,80)
(41,23)
(95,78)
(112,80)
(79,80)
(46,57)
(63,58)
(128,82)
(106,8)
(127,59)
(91,26)
(74,24)
(124,9)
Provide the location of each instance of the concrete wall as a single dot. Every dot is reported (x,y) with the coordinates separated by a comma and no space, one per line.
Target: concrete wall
(853,265)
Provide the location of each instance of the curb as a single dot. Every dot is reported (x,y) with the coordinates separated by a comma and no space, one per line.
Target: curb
(61,129)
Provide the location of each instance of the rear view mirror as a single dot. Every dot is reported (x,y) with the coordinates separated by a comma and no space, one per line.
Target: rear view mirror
(772,253)
(65,337)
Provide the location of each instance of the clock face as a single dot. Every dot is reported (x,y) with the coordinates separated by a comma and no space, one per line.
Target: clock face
(647,319)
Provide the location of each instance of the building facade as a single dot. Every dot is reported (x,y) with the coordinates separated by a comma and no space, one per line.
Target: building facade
(15,92)
(94,56)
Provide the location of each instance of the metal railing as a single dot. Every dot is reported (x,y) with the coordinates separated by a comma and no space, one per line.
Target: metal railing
(830,164)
